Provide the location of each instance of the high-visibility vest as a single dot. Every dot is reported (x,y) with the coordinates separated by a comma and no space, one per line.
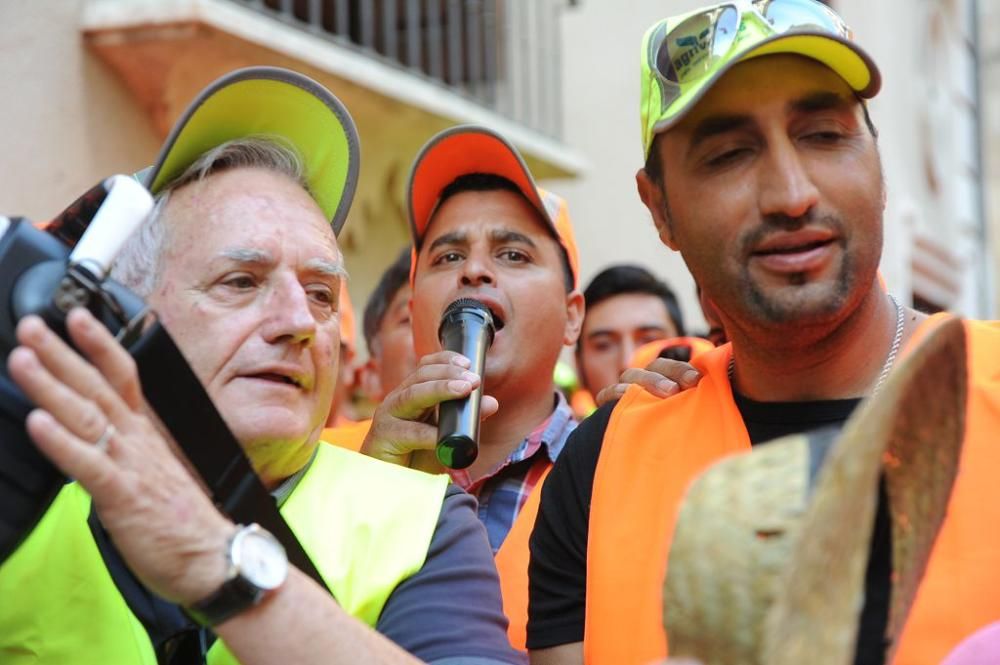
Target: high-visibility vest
(512,565)
(60,604)
(652,450)
(350,436)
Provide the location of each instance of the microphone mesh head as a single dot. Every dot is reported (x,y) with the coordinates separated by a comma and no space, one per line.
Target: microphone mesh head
(462,303)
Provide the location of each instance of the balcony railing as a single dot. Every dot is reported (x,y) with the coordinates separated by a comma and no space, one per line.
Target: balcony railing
(501,54)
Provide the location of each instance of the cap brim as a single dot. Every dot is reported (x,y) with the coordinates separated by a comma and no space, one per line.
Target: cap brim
(276,103)
(841,55)
(460,151)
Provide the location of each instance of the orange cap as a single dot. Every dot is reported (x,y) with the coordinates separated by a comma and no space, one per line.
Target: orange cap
(347,332)
(469,149)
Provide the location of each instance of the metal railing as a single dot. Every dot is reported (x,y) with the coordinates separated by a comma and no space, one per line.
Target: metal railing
(501,54)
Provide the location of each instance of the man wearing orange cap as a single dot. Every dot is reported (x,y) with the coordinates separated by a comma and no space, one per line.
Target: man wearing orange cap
(483,230)
(763,170)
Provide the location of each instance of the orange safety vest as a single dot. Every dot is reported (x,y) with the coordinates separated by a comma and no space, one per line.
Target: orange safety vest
(349,436)
(512,565)
(634,510)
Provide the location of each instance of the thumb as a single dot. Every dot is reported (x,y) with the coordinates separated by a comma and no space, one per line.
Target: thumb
(488,406)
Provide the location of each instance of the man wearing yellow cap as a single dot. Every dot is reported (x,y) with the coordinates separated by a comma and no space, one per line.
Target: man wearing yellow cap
(762,169)
(133,563)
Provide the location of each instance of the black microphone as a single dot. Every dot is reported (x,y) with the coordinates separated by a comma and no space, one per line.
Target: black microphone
(467,328)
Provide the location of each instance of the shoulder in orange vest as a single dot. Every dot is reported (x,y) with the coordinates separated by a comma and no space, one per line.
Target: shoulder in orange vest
(634,507)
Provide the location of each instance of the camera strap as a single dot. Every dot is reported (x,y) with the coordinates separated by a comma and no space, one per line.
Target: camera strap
(184,407)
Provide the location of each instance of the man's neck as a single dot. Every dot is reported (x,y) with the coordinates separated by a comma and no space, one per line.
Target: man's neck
(839,363)
(503,432)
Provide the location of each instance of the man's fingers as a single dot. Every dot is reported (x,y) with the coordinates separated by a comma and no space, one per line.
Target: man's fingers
(107,355)
(438,372)
(65,366)
(412,402)
(86,418)
(78,459)
(652,382)
(610,393)
(445,358)
(682,373)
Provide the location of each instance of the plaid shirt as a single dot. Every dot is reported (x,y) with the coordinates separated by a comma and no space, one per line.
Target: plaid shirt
(503,491)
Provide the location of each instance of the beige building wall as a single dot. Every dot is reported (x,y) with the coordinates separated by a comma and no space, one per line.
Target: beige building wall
(989,79)
(67,121)
(601,119)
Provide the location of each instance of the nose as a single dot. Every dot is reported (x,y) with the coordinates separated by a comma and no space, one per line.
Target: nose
(290,318)
(787,189)
(625,353)
(477,270)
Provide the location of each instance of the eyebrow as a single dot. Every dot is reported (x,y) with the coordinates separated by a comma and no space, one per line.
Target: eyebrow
(507,235)
(327,267)
(820,101)
(643,328)
(452,238)
(247,255)
(263,257)
(823,100)
(715,125)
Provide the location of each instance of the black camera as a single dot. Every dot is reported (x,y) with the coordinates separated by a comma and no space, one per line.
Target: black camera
(47,271)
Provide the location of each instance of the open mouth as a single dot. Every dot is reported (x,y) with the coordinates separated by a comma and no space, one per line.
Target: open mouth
(277,378)
(498,322)
(794,249)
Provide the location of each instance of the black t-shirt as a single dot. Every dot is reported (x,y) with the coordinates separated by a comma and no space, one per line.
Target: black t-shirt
(558,568)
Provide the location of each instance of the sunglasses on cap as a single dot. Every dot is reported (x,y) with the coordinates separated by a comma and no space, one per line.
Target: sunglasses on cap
(692,49)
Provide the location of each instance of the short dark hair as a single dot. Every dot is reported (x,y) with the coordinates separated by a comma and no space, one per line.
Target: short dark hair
(654,165)
(621,279)
(491,182)
(393,279)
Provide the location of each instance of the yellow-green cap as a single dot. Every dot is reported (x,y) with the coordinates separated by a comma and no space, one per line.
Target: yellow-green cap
(277,103)
(663,103)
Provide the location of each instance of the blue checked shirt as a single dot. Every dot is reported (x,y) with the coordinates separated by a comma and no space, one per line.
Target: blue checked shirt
(503,491)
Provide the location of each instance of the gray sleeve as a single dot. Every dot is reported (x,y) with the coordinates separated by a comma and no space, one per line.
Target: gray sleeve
(449,612)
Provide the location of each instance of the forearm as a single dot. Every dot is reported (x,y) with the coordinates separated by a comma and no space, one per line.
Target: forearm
(301,623)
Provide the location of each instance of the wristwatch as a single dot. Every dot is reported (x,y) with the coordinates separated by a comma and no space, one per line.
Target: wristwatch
(256,565)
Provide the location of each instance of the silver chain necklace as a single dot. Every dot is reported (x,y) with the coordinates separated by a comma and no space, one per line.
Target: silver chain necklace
(889,360)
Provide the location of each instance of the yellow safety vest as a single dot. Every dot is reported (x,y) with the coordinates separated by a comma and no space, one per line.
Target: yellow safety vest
(365,524)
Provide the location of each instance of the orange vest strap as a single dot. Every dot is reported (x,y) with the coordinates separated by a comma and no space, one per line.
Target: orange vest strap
(512,564)
(350,436)
(652,450)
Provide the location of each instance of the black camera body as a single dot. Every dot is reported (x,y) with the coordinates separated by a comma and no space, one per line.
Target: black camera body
(38,276)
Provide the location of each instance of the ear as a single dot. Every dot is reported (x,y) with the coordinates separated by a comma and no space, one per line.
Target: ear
(368,381)
(574,317)
(653,197)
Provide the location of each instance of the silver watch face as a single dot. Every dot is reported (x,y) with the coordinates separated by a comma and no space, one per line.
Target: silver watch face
(260,559)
